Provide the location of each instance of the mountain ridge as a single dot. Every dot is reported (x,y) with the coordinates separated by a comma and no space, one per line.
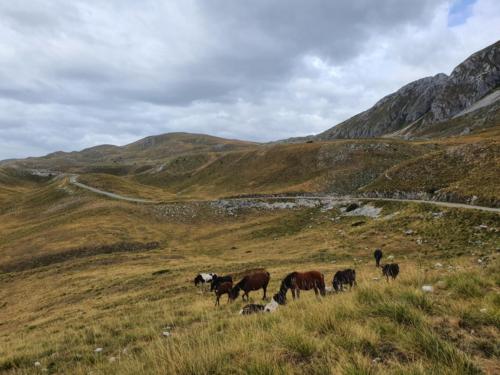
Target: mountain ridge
(426,102)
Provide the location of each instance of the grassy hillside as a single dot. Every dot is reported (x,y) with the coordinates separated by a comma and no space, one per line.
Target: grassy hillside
(126,159)
(79,271)
(339,167)
(96,284)
(462,169)
(190,167)
(463,173)
(15,182)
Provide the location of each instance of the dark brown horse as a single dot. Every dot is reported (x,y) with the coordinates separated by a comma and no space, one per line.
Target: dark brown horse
(255,281)
(297,281)
(223,288)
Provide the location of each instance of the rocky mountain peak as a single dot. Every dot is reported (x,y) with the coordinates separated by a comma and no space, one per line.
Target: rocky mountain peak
(426,101)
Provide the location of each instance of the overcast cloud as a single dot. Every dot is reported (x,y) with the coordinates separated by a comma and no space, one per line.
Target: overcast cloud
(74,74)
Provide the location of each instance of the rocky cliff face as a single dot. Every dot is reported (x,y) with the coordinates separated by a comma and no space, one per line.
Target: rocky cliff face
(426,102)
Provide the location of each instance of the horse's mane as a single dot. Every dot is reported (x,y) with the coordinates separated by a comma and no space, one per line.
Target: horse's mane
(240,283)
(287,282)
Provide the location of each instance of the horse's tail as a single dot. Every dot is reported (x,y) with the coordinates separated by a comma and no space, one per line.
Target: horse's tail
(268,278)
(321,285)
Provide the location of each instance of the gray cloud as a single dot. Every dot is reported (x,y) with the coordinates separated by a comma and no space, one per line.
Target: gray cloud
(80,73)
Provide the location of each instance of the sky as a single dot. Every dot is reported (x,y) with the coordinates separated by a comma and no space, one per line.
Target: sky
(75,74)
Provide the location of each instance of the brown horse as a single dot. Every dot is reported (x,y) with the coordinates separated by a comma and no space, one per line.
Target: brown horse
(255,281)
(223,288)
(297,281)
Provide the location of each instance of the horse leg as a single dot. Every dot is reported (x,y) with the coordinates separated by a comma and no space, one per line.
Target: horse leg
(217,301)
(298,293)
(265,288)
(293,293)
(316,292)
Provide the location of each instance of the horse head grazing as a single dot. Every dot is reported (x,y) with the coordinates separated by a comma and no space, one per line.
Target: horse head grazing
(337,285)
(234,293)
(198,280)
(287,283)
(280,298)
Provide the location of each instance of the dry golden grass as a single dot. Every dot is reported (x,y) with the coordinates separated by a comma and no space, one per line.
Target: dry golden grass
(59,313)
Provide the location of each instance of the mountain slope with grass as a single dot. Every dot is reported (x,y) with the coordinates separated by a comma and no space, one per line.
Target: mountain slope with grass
(124,159)
(125,302)
(461,173)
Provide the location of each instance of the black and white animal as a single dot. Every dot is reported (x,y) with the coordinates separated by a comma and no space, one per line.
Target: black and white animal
(390,270)
(345,277)
(223,288)
(252,308)
(203,278)
(378,256)
(277,300)
(216,280)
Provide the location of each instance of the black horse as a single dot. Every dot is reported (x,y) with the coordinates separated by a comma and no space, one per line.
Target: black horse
(217,280)
(390,270)
(378,256)
(345,277)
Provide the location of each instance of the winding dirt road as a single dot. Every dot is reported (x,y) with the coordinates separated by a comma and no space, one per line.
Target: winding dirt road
(73,179)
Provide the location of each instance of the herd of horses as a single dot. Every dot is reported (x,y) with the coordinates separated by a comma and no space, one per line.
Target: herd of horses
(294,281)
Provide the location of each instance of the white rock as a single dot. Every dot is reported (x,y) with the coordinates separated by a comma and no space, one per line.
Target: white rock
(390,257)
(98,350)
(427,288)
(408,232)
(376,360)
(166,333)
(112,359)
(37,364)
(483,310)
(376,278)
(438,265)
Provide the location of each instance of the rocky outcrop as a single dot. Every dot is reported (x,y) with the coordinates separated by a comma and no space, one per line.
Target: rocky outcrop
(427,101)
